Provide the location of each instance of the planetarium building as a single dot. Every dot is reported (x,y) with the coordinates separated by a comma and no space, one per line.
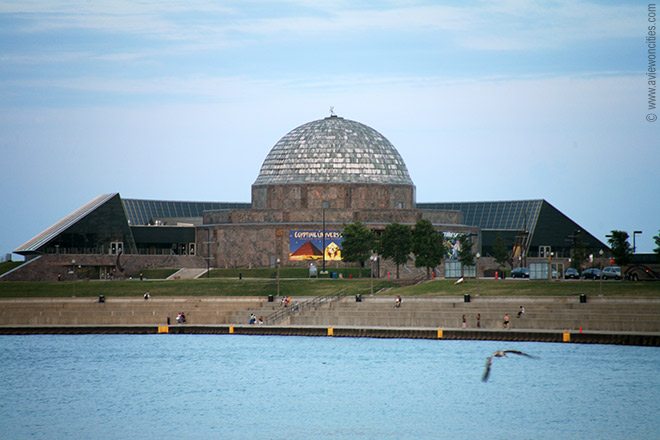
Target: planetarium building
(316,179)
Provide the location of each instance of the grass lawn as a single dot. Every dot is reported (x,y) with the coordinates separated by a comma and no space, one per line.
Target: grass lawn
(6,266)
(232,286)
(286,272)
(532,288)
(200,287)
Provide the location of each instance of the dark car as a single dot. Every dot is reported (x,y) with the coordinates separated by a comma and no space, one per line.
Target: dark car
(591,274)
(572,273)
(520,272)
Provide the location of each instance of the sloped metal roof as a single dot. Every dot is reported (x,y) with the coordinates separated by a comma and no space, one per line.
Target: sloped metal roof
(512,215)
(141,212)
(53,231)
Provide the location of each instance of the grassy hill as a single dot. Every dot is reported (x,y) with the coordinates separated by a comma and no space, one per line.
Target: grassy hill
(219,286)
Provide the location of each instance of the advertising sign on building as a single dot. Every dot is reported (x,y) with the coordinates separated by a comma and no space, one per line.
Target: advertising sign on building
(308,245)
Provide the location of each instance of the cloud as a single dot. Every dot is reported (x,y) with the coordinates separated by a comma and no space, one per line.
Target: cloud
(496,26)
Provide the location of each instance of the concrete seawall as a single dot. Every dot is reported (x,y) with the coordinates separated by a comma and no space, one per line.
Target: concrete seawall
(620,338)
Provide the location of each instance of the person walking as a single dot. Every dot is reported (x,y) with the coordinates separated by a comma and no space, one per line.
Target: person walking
(507,320)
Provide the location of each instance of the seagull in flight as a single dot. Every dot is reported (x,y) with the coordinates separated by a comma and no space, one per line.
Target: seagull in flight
(501,353)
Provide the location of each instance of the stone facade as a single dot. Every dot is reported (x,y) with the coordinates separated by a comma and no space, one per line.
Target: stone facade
(344,196)
(258,237)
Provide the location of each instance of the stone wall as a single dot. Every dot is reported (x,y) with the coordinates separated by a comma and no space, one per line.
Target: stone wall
(344,196)
(83,266)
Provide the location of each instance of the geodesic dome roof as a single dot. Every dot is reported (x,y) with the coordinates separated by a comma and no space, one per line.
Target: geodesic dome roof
(333,150)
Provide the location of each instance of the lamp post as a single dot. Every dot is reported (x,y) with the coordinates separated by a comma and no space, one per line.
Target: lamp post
(278,276)
(635,247)
(373,259)
(208,252)
(476,268)
(600,278)
(324,206)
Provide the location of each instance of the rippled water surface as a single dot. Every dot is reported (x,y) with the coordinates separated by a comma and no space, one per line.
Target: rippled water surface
(245,387)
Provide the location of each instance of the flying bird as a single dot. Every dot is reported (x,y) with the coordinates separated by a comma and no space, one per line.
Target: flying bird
(501,353)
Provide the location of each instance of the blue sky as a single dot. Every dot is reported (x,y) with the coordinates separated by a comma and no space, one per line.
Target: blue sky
(183,100)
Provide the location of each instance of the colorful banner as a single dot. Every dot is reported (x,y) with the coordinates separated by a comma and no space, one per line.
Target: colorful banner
(308,245)
(452,245)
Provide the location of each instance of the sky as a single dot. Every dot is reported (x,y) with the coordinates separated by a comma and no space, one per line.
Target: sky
(183,100)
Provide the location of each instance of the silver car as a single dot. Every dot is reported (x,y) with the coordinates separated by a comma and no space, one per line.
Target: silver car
(611,272)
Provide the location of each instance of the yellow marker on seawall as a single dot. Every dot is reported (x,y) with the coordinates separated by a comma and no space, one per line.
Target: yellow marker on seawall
(163,329)
(439,333)
(231,329)
(331,331)
(566,337)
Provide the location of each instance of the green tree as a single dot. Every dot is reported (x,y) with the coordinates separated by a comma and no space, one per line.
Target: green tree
(500,252)
(358,242)
(621,250)
(657,243)
(465,254)
(396,244)
(428,245)
(579,251)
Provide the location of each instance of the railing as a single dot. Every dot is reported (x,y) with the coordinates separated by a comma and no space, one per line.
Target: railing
(285,312)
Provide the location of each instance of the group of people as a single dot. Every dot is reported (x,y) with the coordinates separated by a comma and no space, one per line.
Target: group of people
(507,318)
(254,320)
(506,322)
(397,301)
(181,318)
(286,300)
(464,321)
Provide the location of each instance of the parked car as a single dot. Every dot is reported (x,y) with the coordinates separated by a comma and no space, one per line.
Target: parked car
(591,274)
(572,273)
(520,272)
(611,272)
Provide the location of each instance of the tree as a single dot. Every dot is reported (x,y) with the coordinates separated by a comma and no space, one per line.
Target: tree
(465,254)
(500,253)
(357,243)
(657,243)
(428,246)
(396,244)
(621,250)
(579,251)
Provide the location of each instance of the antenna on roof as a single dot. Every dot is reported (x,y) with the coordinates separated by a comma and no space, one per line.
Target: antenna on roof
(332,111)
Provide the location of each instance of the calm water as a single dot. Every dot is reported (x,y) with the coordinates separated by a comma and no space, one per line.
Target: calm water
(246,387)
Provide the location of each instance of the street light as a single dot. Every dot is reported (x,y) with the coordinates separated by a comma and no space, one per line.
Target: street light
(476,269)
(208,252)
(373,259)
(600,278)
(278,276)
(635,247)
(324,205)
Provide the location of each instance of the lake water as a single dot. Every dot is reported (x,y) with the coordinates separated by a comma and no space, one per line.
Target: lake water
(245,387)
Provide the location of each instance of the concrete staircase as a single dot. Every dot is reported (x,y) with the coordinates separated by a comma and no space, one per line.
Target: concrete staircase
(605,314)
(88,311)
(541,313)
(187,274)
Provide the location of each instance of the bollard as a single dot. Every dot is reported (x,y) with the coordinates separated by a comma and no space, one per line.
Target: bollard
(466,298)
